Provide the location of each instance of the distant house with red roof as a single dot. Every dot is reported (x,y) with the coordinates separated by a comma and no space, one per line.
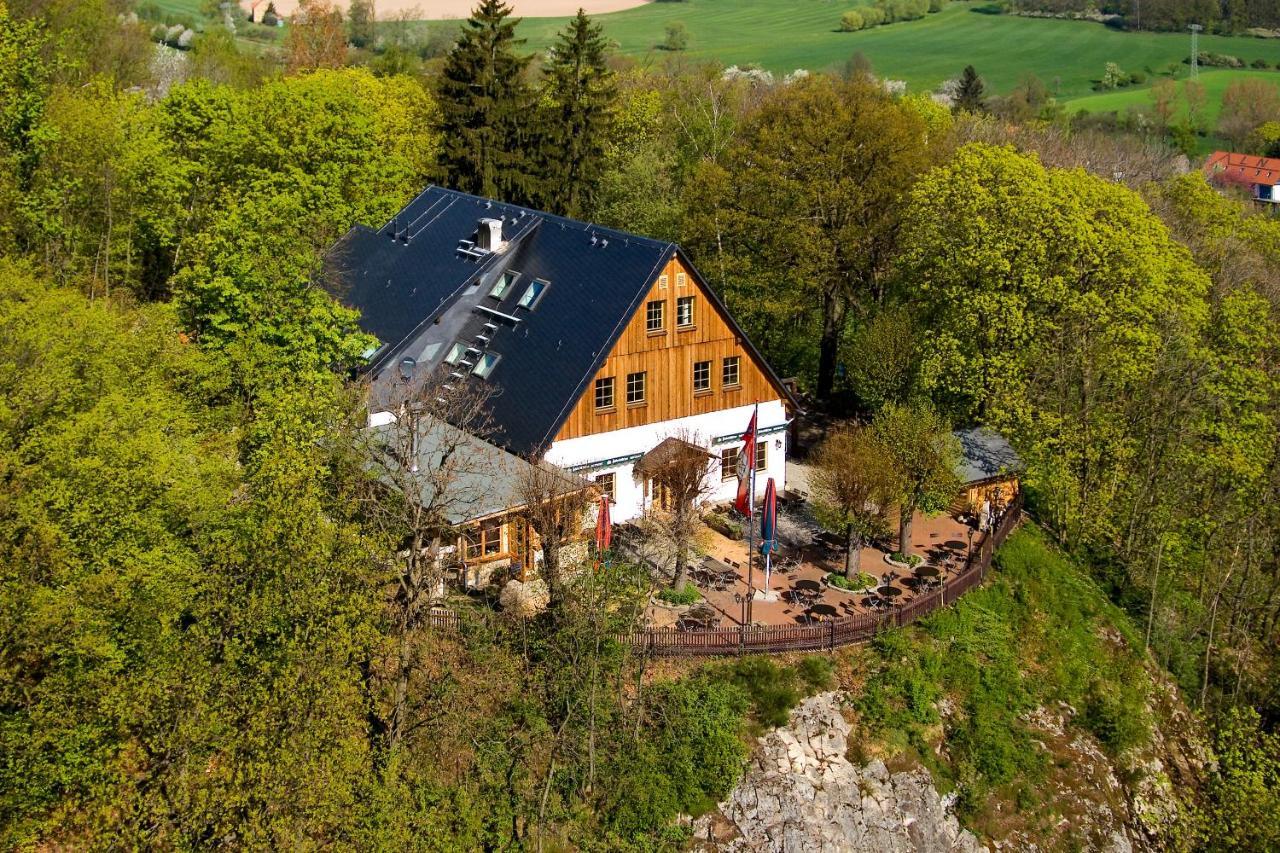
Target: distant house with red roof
(1258,175)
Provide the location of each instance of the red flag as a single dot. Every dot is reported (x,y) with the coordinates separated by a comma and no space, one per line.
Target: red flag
(746,464)
(604,527)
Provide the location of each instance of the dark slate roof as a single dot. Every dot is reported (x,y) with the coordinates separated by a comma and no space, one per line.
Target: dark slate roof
(985,455)
(419,292)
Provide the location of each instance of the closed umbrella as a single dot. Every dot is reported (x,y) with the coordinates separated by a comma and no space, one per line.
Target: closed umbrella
(769,529)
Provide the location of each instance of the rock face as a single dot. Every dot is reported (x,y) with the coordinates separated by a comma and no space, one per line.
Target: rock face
(801,793)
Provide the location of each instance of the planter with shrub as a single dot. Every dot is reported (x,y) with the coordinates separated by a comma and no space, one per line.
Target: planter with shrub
(858,584)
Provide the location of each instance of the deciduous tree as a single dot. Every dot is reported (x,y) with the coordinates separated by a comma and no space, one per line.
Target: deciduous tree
(923,454)
(855,485)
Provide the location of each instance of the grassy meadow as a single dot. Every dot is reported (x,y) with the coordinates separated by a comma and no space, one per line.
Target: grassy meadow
(783,36)
(1215,82)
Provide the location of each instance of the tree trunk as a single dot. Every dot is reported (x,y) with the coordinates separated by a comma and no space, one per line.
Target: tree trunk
(829,344)
(852,554)
(682,563)
(905,515)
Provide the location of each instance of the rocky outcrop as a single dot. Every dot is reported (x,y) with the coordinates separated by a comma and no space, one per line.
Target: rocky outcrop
(801,793)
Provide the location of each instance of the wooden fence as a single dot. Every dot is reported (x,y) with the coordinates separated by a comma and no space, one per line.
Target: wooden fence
(757,639)
(831,634)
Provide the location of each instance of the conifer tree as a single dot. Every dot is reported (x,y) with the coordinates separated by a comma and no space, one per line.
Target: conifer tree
(970,94)
(581,94)
(486,109)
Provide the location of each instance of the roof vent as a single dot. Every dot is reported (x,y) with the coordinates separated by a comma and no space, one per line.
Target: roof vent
(489,235)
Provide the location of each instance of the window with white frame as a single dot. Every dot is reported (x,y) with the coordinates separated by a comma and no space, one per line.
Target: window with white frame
(604,393)
(730,372)
(635,388)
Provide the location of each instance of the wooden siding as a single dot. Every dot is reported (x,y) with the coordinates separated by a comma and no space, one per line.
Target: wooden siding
(668,358)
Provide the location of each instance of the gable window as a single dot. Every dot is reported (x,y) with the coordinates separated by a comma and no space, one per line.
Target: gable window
(701,376)
(503,284)
(605,483)
(762,451)
(635,388)
(653,315)
(604,393)
(533,293)
(730,375)
(729,463)
(485,365)
(684,312)
(681,279)
(662,282)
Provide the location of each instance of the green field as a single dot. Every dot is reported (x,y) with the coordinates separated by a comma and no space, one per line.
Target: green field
(1215,82)
(783,35)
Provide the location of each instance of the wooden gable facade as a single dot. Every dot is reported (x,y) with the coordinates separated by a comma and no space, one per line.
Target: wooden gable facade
(685,349)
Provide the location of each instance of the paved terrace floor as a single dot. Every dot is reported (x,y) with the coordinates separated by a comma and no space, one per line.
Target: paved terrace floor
(942,541)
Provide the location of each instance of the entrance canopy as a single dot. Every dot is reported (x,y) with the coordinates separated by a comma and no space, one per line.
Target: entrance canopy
(670,451)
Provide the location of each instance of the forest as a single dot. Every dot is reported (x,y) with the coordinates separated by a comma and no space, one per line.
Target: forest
(202,639)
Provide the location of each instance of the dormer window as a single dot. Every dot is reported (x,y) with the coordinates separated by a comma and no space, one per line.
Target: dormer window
(485,365)
(503,284)
(533,293)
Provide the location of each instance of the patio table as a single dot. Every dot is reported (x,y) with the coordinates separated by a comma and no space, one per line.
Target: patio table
(927,572)
(889,592)
(822,612)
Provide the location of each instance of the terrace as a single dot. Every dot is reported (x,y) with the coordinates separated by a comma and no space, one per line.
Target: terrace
(801,611)
(798,592)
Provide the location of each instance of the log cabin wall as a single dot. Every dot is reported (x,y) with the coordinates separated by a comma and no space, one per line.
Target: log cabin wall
(667,357)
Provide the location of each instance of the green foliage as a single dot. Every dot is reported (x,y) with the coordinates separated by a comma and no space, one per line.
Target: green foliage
(861,582)
(1245,793)
(691,755)
(166,597)
(883,358)
(970,93)
(485,104)
(676,36)
(580,96)
(1037,636)
(773,690)
(685,595)
(923,453)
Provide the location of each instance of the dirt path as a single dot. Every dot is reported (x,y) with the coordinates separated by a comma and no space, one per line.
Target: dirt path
(437,9)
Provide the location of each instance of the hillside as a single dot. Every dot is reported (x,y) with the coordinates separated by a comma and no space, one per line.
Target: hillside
(1030,707)
(781,37)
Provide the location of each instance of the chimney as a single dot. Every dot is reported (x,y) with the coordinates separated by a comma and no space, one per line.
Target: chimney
(489,237)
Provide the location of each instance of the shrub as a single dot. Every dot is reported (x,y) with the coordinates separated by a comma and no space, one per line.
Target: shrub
(1137,78)
(912,560)
(677,36)
(1260,63)
(863,581)
(688,595)
(851,21)
(937,5)
(774,690)
(690,756)
(818,673)
(873,16)
(1113,77)
(724,525)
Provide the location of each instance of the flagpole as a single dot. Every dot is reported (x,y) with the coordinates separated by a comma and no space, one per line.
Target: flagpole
(751,513)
